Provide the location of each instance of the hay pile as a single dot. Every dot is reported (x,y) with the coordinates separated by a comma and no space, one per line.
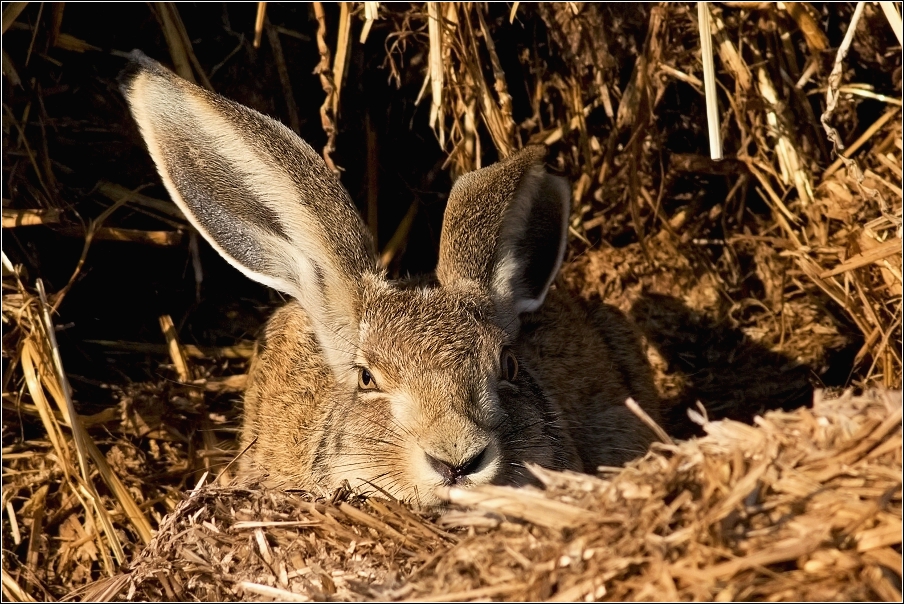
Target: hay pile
(754,280)
(803,506)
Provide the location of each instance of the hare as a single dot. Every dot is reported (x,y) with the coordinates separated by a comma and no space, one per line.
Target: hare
(393,386)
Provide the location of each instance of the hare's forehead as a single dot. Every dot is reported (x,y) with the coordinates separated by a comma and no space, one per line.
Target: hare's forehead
(430,319)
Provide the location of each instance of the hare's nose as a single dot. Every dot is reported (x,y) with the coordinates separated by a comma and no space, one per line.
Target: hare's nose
(452,473)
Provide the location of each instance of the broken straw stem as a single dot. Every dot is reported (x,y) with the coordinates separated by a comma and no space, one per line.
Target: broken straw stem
(835,80)
(636,409)
(259,23)
(709,81)
(894,19)
(65,388)
(78,434)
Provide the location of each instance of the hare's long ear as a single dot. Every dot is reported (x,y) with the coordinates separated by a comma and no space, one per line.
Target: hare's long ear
(260,195)
(505,228)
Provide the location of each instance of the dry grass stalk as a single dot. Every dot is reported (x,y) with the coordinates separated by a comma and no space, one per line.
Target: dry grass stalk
(435,71)
(242,350)
(790,164)
(802,13)
(284,79)
(9,70)
(11,12)
(371,14)
(881,251)
(85,446)
(637,410)
(709,81)
(96,226)
(187,376)
(894,19)
(502,117)
(259,23)
(399,237)
(12,591)
(730,57)
(460,92)
(800,226)
(115,192)
(178,53)
(160,238)
(327,116)
(343,47)
(15,218)
(861,140)
(857,90)
(180,46)
(835,82)
(43,373)
(31,156)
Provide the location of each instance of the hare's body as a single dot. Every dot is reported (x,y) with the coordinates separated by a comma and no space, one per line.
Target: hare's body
(590,361)
(584,361)
(306,434)
(398,387)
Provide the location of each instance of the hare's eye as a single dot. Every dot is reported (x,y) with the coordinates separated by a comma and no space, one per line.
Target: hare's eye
(509,365)
(366,379)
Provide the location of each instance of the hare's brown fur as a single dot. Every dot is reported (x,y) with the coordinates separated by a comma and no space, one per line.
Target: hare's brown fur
(385,385)
(590,360)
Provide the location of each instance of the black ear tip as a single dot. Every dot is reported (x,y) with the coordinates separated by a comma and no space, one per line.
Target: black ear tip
(538,151)
(531,154)
(139,56)
(138,63)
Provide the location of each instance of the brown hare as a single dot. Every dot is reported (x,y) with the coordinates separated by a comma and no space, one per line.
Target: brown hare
(393,386)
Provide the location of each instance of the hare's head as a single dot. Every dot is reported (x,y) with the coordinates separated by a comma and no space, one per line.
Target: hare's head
(429,388)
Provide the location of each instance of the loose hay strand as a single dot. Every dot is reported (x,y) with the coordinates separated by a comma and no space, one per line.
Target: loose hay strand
(12,591)
(709,81)
(894,20)
(637,410)
(276,593)
(835,80)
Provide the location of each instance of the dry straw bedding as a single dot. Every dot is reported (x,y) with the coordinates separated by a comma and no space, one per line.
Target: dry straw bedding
(803,505)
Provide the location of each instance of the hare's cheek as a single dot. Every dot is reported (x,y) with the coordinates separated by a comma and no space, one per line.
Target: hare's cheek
(404,409)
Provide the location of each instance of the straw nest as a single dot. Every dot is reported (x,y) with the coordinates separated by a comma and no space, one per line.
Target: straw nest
(802,506)
(754,280)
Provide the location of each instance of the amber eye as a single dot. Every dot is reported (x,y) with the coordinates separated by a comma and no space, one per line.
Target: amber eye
(509,365)
(366,379)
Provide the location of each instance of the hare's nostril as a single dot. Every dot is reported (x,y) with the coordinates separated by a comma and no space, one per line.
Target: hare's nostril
(456,473)
(442,468)
(470,466)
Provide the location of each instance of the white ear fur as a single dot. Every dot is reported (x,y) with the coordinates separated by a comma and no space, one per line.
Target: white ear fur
(260,195)
(505,229)
(532,241)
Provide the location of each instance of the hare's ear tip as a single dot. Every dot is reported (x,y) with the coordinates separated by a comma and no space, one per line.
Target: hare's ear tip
(530,155)
(139,60)
(138,63)
(536,152)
